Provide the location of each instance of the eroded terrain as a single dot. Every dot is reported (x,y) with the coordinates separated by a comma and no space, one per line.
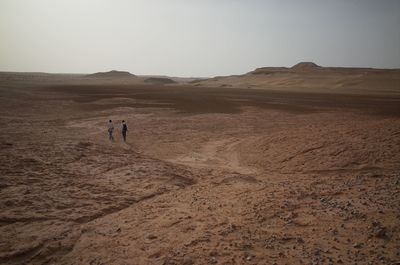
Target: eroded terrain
(207,176)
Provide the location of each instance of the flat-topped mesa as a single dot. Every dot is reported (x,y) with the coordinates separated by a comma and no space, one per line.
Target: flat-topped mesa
(112,74)
(304,66)
(268,70)
(159,80)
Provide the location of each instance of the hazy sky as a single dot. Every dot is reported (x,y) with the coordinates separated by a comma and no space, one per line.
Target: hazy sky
(196,37)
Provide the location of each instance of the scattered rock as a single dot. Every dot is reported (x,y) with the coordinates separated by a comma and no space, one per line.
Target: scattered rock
(151,237)
(187,261)
(358,245)
(300,240)
(381,232)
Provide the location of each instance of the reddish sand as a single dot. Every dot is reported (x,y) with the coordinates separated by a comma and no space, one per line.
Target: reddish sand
(207,175)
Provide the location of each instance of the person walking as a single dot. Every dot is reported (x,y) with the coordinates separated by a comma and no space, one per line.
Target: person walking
(110,130)
(124,130)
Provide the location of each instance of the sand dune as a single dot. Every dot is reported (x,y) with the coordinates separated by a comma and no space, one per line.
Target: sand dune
(310,77)
(208,175)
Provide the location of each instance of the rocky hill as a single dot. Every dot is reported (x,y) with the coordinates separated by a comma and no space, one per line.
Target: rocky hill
(111,74)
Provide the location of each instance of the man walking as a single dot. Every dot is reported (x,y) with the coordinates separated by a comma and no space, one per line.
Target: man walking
(110,130)
(124,130)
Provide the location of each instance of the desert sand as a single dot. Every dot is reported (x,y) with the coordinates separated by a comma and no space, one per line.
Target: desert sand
(278,166)
(308,76)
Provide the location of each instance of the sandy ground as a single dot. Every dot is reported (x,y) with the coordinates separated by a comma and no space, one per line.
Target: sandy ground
(207,176)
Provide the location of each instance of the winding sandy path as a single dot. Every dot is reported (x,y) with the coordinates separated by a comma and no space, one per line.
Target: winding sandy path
(220,154)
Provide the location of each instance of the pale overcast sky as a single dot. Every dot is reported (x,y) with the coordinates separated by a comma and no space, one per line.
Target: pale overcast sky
(196,38)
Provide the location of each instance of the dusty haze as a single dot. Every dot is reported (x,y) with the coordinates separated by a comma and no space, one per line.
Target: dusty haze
(195,38)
